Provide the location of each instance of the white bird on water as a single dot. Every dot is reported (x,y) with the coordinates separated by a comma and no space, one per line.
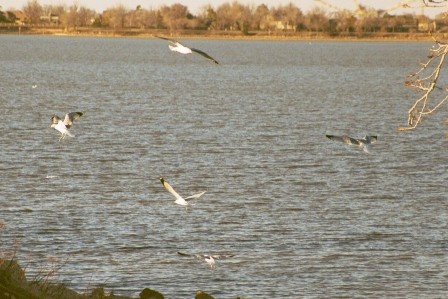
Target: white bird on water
(178,47)
(209,258)
(363,143)
(179,199)
(63,126)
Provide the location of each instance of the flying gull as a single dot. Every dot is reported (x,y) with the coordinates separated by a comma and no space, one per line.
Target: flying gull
(63,126)
(209,258)
(362,143)
(179,199)
(178,47)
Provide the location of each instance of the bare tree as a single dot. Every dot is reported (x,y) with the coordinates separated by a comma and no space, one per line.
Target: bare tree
(260,18)
(208,17)
(224,20)
(233,16)
(85,16)
(316,19)
(71,19)
(175,16)
(33,10)
(115,16)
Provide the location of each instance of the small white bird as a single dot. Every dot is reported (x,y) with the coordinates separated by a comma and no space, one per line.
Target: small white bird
(363,143)
(63,126)
(210,261)
(209,258)
(179,199)
(178,47)
(34,86)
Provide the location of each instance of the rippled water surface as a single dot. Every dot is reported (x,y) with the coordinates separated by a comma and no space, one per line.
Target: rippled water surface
(305,216)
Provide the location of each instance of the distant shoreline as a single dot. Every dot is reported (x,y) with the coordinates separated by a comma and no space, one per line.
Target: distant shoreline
(223,35)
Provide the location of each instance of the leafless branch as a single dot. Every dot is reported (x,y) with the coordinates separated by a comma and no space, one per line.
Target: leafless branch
(428,102)
(434,3)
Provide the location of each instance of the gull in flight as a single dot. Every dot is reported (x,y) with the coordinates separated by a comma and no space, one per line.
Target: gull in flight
(363,143)
(178,47)
(209,258)
(63,126)
(179,199)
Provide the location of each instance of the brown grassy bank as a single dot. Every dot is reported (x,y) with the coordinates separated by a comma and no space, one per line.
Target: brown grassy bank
(253,35)
(15,285)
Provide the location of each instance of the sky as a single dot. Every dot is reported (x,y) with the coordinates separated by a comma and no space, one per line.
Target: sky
(196,5)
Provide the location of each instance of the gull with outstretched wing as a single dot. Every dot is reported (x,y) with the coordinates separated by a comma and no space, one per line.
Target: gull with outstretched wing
(179,199)
(176,46)
(363,143)
(63,125)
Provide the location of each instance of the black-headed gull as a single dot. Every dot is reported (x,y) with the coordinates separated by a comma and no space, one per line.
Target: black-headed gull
(362,143)
(209,258)
(179,199)
(178,47)
(63,126)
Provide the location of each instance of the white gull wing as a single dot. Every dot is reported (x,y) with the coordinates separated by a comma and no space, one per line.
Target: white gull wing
(195,195)
(70,117)
(179,199)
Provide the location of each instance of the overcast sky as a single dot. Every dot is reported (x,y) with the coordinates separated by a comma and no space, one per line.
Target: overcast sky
(196,5)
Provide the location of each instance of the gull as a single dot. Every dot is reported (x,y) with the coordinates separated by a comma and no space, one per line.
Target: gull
(209,258)
(34,86)
(210,261)
(63,126)
(178,47)
(179,199)
(363,143)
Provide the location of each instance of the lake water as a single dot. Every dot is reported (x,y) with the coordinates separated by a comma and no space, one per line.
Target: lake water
(306,217)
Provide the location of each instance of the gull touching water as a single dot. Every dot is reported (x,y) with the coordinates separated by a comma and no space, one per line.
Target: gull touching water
(63,126)
(178,47)
(363,143)
(179,199)
(209,258)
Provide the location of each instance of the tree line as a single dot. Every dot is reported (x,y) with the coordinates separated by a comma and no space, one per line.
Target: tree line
(230,16)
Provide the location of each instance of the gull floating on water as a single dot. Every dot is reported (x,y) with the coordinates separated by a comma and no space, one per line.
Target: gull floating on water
(63,126)
(209,258)
(179,199)
(178,47)
(363,143)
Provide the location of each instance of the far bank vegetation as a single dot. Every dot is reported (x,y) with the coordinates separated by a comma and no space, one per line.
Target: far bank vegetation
(231,18)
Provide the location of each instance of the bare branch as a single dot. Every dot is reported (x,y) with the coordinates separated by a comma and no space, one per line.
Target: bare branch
(427,85)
